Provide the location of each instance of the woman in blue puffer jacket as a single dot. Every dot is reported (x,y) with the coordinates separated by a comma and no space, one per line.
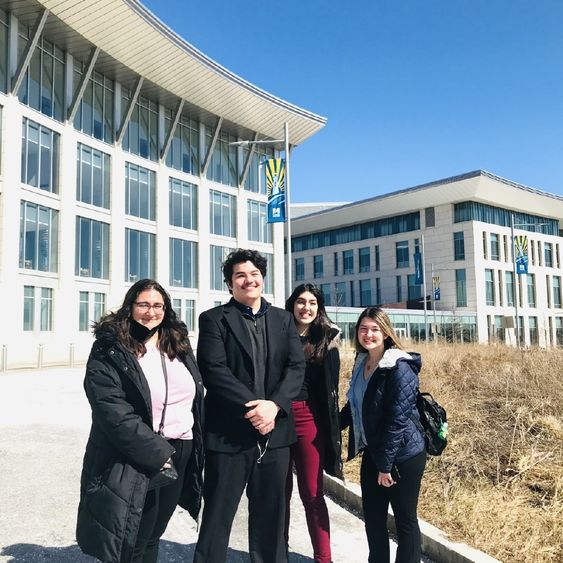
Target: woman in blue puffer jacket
(381,412)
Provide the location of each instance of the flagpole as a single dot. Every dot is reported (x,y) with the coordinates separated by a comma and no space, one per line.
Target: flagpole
(288,281)
(517,324)
(424,290)
(433,297)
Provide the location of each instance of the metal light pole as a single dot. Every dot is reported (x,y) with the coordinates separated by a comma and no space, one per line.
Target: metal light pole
(285,142)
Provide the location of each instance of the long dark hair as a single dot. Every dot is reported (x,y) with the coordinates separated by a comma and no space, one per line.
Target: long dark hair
(382,319)
(173,333)
(321,330)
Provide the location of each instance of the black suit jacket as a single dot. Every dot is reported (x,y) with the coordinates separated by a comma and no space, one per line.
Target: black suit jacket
(224,355)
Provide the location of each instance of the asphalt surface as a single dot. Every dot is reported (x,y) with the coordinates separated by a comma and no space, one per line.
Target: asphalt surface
(44,423)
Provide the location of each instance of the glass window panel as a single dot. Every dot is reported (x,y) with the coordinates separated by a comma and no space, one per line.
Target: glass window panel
(46,318)
(28,307)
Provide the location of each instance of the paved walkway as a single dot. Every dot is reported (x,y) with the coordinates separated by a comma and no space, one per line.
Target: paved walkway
(44,422)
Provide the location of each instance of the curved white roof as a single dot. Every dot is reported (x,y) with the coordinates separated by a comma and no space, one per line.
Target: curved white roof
(133,41)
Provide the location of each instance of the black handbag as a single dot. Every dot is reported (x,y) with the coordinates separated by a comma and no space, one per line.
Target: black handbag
(169,475)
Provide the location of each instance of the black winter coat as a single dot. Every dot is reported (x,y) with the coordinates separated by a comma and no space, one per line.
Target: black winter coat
(388,409)
(123,452)
(328,406)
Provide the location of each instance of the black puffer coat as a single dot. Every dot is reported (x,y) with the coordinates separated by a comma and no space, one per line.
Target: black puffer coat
(328,406)
(123,452)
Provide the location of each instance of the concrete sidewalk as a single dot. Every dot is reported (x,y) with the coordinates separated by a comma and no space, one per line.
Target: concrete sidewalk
(44,422)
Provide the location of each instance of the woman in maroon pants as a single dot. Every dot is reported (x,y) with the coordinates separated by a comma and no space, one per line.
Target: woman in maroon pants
(315,410)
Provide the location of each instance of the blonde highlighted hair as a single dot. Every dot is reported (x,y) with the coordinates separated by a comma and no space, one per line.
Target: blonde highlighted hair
(379,316)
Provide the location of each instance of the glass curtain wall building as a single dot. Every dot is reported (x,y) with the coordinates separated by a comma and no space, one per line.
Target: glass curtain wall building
(118,164)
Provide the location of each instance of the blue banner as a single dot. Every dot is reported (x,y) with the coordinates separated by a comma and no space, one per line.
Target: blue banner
(275,188)
(418,270)
(521,253)
(436,285)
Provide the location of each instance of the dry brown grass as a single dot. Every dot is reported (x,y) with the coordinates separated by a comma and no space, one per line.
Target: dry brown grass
(499,484)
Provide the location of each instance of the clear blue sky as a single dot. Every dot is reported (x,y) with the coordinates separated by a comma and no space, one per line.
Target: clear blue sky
(414,90)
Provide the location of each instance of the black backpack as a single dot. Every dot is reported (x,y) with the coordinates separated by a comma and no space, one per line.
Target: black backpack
(433,423)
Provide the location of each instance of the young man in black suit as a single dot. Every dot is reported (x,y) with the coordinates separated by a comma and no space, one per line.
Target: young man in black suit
(252,364)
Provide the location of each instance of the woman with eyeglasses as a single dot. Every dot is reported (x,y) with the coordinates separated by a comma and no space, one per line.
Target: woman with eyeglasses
(315,411)
(144,455)
(382,415)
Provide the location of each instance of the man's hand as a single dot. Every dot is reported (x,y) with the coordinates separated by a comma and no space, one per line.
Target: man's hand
(262,415)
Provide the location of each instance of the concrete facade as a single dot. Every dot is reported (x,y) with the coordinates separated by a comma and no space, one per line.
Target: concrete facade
(486,252)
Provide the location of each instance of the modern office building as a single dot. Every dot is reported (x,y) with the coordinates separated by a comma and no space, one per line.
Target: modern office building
(117,164)
(362,253)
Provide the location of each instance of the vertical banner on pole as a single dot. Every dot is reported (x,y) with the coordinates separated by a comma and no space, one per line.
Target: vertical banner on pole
(521,253)
(275,186)
(418,270)
(436,285)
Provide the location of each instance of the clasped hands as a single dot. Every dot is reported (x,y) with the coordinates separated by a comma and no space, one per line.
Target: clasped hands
(262,415)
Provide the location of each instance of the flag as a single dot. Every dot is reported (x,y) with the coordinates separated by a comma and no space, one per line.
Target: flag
(436,286)
(521,253)
(275,188)
(418,270)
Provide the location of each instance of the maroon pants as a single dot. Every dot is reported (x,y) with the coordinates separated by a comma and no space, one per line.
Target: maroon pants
(308,456)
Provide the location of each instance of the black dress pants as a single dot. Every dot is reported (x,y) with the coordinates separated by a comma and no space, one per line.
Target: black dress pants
(403,497)
(160,505)
(226,475)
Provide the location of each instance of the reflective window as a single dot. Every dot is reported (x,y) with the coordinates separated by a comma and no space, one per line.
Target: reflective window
(336,263)
(459,246)
(299,269)
(495,247)
(139,191)
(183,204)
(40,156)
(222,213)
(430,217)
(461,288)
(269,279)
(183,263)
(414,289)
(38,237)
(362,231)
(399,287)
(92,176)
(139,255)
(141,135)
(377,262)
(557,292)
(42,87)
(365,293)
(183,153)
(30,302)
(94,115)
(223,167)
(548,254)
(364,257)
(348,261)
(377,291)
(318,266)
(91,308)
(185,310)
(490,288)
(402,253)
(218,256)
(533,330)
(259,229)
(256,177)
(325,289)
(92,249)
(531,290)
(559,331)
(340,294)
(509,277)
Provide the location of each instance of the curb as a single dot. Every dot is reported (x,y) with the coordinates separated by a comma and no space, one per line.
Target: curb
(435,544)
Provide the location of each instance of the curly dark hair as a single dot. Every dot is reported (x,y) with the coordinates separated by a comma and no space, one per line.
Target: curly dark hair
(321,330)
(173,333)
(241,255)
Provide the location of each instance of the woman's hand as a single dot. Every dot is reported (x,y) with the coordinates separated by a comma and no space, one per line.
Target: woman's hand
(385,479)
(167,464)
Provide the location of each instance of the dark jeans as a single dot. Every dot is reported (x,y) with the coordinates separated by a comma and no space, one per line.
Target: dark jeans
(226,475)
(160,505)
(403,498)
(308,454)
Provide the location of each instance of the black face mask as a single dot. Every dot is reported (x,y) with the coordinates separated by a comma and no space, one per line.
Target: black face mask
(140,332)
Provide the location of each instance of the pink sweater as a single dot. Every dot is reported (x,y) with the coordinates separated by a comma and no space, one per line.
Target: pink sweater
(179,419)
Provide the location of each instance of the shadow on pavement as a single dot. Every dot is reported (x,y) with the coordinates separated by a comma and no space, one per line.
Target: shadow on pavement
(169,552)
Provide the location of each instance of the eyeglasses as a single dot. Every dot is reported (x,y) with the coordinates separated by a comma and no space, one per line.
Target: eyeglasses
(144,306)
